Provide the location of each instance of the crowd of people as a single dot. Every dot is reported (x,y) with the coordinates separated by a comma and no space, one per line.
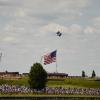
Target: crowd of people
(78,91)
(14,89)
(49,90)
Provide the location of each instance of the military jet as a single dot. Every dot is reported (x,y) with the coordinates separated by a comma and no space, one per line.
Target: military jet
(59,33)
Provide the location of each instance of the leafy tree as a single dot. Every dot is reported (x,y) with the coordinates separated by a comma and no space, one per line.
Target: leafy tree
(83,73)
(37,77)
(93,74)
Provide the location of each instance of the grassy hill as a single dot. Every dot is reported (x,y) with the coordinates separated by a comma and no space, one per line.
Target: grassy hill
(67,82)
(75,82)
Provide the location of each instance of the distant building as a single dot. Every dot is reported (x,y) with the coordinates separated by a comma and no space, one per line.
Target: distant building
(25,74)
(74,76)
(10,75)
(57,75)
(52,75)
(16,75)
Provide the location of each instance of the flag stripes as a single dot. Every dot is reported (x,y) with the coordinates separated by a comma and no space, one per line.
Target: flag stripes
(49,58)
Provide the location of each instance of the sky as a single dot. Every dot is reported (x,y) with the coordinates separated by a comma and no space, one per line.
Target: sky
(28,32)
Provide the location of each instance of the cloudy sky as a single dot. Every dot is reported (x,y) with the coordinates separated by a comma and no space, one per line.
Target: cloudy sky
(28,31)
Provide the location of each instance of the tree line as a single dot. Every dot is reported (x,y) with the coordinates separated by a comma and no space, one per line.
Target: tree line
(93,75)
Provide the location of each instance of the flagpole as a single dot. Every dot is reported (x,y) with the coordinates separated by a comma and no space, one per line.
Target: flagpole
(0,59)
(41,59)
(56,65)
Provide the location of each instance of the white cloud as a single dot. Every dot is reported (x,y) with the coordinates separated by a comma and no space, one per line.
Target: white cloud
(75,28)
(94,27)
(89,29)
(52,27)
(96,19)
(55,4)
(47,7)
(20,13)
(8,39)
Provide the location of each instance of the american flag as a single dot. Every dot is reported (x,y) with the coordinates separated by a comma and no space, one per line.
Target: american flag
(50,57)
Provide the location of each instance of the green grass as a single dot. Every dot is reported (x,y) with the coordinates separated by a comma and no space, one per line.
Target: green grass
(83,82)
(46,95)
(23,81)
(75,82)
(68,82)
